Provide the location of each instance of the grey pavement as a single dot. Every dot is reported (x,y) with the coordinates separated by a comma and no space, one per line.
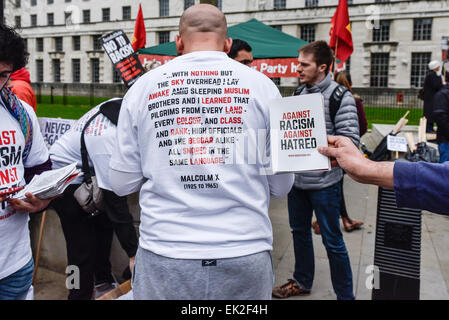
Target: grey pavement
(361,201)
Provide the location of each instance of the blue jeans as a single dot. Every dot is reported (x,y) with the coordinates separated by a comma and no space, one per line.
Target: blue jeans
(326,204)
(443,149)
(16,285)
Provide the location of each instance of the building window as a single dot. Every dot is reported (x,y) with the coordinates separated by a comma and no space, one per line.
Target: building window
(39,44)
(420,61)
(220,4)
(76,70)
(33,3)
(277,27)
(379,69)
(311,3)
(97,43)
(422,29)
(50,19)
(163,8)
(383,32)
(116,75)
(33,19)
(25,41)
(86,16)
(17,3)
(348,65)
(68,18)
(50,1)
(18,21)
(308,32)
(188,3)
(40,70)
(126,13)
(106,14)
(164,37)
(56,70)
(58,44)
(76,43)
(279,4)
(95,68)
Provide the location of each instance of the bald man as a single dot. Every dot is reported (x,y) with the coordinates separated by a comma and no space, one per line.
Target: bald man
(192,137)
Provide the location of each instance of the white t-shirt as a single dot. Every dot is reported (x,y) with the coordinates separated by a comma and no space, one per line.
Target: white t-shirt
(100,139)
(201,199)
(15,248)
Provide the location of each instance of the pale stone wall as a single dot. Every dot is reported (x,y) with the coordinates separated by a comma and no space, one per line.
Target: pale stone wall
(400,46)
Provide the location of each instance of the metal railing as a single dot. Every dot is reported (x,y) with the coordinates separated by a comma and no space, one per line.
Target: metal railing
(382,104)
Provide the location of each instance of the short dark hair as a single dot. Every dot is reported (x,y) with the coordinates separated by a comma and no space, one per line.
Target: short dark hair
(12,48)
(238,45)
(322,53)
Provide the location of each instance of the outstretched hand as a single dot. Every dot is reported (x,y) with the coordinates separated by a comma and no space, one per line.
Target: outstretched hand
(345,154)
(30,205)
(350,159)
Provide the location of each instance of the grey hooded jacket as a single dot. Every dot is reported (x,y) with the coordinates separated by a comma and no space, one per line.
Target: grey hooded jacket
(346,124)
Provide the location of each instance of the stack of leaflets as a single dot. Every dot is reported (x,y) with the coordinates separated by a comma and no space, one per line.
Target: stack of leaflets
(51,183)
(298,128)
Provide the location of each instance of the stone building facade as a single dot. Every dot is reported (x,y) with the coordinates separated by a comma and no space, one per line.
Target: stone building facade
(393,39)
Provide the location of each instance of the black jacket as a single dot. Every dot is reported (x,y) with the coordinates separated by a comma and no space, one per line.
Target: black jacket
(432,83)
(441,113)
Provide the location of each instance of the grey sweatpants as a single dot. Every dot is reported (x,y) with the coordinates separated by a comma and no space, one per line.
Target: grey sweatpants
(243,278)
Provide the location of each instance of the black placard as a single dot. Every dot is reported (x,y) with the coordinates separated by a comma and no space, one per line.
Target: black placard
(120,51)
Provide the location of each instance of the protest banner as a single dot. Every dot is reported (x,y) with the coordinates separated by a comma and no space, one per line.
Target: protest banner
(53,128)
(120,51)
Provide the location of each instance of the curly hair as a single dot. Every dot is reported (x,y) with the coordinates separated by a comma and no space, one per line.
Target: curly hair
(12,48)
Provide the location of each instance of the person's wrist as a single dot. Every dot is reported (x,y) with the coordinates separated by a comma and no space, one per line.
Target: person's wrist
(366,170)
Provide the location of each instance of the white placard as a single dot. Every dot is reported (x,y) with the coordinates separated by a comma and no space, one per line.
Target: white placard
(298,128)
(53,128)
(395,143)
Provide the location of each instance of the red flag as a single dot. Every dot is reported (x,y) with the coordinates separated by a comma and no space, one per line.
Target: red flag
(341,35)
(140,35)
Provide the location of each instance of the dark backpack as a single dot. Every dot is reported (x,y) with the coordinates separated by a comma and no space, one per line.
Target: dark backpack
(334,100)
(110,110)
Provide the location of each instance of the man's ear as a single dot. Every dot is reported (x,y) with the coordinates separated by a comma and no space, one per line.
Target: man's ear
(322,68)
(179,44)
(227,45)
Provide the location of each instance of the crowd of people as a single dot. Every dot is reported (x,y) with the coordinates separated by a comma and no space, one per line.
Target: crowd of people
(196,240)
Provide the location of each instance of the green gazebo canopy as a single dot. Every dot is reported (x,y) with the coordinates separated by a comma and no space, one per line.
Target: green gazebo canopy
(266,41)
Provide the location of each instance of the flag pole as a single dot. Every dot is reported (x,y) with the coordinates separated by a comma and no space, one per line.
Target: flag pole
(335,56)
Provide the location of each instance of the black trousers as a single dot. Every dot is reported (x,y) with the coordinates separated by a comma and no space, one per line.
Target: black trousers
(88,243)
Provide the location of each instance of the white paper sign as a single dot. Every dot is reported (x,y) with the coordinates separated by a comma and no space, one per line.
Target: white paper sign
(53,128)
(395,143)
(298,128)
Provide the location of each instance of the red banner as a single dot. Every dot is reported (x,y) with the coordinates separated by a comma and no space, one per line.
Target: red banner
(272,68)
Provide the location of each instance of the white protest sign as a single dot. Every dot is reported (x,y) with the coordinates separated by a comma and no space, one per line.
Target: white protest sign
(298,127)
(395,143)
(53,128)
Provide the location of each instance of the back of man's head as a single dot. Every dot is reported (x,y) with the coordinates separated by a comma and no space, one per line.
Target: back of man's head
(238,45)
(201,27)
(322,53)
(12,48)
